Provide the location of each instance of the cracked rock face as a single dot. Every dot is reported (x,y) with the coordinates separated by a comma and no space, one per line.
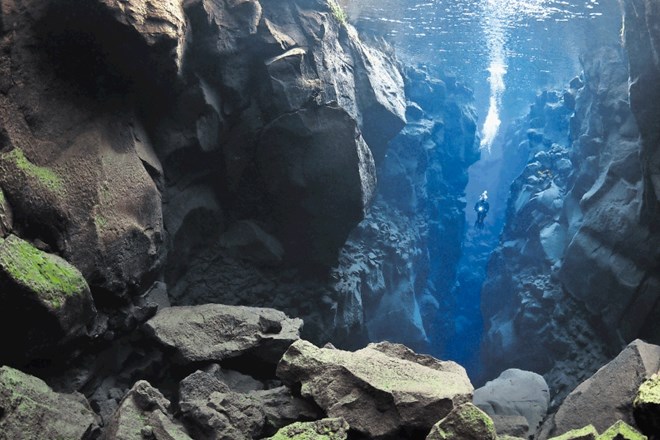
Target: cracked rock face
(381,390)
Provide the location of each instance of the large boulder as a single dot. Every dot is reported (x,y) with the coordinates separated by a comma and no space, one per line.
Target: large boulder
(144,413)
(30,409)
(215,332)
(466,422)
(300,157)
(380,390)
(515,394)
(45,300)
(608,395)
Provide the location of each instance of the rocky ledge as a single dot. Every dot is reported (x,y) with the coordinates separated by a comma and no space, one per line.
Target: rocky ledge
(262,381)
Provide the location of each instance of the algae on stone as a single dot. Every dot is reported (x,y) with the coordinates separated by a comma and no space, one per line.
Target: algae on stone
(50,277)
(649,391)
(622,431)
(587,433)
(646,406)
(31,409)
(325,429)
(338,12)
(44,175)
(466,422)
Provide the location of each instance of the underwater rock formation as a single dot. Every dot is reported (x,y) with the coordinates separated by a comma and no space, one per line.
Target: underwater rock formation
(576,266)
(385,270)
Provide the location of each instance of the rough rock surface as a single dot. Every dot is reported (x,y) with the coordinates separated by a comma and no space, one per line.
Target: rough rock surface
(381,390)
(642,41)
(220,412)
(31,409)
(515,394)
(217,412)
(326,429)
(42,288)
(144,413)
(608,395)
(465,422)
(215,332)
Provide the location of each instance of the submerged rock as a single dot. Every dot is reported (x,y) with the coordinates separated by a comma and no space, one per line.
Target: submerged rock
(30,409)
(215,332)
(144,414)
(325,429)
(466,422)
(379,390)
(608,395)
(515,394)
(43,288)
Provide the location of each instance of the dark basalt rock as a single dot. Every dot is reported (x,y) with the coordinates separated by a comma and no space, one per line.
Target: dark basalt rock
(608,395)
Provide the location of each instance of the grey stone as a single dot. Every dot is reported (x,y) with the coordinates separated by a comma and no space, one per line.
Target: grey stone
(514,394)
(215,332)
(465,422)
(144,410)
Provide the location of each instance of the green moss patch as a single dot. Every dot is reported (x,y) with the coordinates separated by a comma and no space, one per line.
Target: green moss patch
(586,433)
(464,422)
(326,429)
(50,277)
(620,431)
(43,175)
(338,12)
(649,391)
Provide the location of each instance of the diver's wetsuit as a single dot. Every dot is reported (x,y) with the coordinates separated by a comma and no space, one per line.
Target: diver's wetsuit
(481,207)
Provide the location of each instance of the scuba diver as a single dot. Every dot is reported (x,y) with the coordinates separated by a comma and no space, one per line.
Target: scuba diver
(481,208)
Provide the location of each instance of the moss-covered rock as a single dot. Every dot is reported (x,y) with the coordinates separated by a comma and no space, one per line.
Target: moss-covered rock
(646,406)
(45,300)
(44,176)
(622,431)
(586,433)
(326,429)
(31,410)
(6,219)
(48,276)
(466,422)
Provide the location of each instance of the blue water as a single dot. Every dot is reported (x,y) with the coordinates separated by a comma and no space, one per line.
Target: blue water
(507,51)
